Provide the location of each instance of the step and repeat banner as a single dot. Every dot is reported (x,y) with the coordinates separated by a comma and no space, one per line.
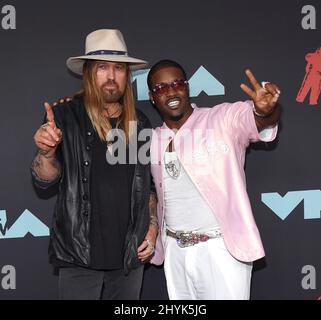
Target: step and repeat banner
(215,41)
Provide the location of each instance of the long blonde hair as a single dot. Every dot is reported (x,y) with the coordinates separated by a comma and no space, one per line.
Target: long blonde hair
(94,104)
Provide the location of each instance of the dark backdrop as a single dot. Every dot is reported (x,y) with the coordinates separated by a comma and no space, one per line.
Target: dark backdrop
(224,37)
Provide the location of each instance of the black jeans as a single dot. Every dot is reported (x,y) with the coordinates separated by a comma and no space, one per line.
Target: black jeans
(78,283)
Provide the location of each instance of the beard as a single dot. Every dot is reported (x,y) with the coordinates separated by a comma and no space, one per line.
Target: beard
(110,95)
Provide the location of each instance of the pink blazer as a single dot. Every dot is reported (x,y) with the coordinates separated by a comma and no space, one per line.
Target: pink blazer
(211,146)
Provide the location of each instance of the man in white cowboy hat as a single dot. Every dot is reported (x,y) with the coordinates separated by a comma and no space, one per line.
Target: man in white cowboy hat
(104,224)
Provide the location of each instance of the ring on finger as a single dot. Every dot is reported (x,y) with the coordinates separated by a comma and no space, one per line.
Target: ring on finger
(43,126)
(263,84)
(150,246)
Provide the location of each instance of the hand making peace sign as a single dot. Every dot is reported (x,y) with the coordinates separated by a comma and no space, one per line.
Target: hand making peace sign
(265,97)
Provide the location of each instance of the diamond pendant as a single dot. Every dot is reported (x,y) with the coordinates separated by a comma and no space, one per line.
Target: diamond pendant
(173,170)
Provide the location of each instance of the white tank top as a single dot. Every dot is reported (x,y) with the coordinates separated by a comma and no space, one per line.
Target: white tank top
(185,208)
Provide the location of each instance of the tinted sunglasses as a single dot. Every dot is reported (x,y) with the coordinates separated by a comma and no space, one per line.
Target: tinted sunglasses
(163,88)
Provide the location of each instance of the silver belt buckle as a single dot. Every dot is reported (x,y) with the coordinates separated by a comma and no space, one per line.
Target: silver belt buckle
(188,239)
(183,239)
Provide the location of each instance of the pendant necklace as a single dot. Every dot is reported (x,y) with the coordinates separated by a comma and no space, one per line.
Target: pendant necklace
(110,118)
(173,167)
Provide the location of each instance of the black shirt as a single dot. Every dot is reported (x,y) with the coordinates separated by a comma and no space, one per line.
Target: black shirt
(111,198)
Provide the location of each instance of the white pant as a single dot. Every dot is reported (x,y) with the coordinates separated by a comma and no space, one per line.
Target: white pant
(205,271)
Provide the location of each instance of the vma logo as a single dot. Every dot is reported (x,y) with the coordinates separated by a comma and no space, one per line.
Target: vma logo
(283,206)
(202,80)
(26,223)
(312,79)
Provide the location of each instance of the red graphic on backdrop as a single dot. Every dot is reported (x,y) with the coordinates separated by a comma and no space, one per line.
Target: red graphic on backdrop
(312,78)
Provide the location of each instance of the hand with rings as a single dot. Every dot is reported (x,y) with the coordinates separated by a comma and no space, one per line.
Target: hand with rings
(48,136)
(146,249)
(150,246)
(264,96)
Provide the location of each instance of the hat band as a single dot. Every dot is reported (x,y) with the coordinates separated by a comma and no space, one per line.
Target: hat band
(107,52)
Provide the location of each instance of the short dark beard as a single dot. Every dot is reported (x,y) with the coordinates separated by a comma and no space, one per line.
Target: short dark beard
(111,98)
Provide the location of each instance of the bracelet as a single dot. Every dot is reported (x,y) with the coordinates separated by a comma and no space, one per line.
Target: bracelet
(153,221)
(261,115)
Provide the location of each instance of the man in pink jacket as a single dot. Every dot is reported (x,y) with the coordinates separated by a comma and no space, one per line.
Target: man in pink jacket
(207,234)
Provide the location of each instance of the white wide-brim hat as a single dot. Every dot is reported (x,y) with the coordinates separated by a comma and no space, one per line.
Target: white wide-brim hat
(106,45)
